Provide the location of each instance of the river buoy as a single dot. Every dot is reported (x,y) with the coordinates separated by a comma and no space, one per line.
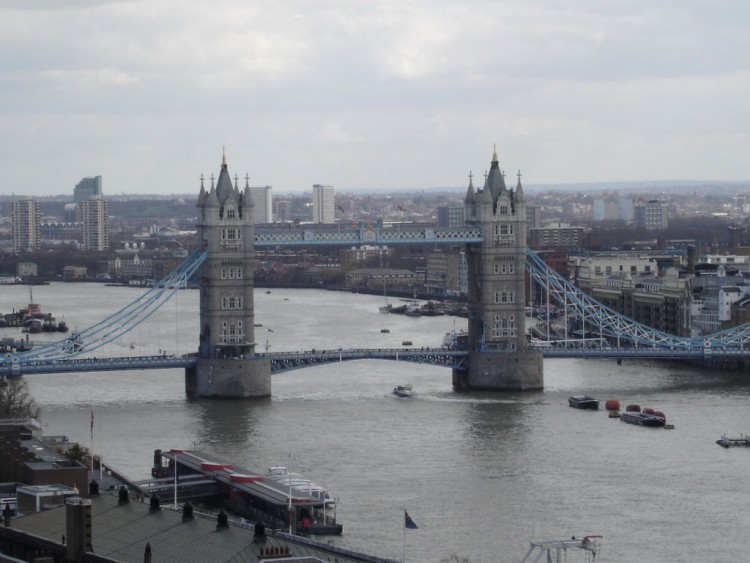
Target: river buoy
(612,405)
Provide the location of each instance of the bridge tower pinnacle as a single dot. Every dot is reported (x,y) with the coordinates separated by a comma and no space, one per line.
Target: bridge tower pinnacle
(498,356)
(227,366)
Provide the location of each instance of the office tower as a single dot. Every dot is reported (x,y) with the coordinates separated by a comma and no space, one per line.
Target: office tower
(95,224)
(263,204)
(26,221)
(87,188)
(323,204)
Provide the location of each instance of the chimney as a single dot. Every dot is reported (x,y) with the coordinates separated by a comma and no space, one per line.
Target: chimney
(78,528)
(6,515)
(691,260)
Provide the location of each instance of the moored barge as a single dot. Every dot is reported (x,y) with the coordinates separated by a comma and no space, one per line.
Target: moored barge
(280,505)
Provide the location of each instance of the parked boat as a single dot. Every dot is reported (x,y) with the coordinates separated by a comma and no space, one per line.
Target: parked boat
(403,390)
(300,483)
(583,402)
(725,442)
(555,550)
(642,419)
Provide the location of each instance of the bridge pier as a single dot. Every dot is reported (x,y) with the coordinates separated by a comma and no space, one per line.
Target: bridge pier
(232,378)
(501,371)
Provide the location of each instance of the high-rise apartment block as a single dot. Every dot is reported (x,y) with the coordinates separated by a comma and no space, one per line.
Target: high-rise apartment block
(87,188)
(324,210)
(450,216)
(26,225)
(95,224)
(263,204)
(651,216)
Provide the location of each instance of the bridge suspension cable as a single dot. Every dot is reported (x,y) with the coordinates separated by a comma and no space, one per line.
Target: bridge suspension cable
(124,320)
(616,325)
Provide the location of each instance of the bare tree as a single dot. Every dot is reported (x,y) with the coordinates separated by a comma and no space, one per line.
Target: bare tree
(15,399)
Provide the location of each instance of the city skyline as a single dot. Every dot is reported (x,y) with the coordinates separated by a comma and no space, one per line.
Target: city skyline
(371,96)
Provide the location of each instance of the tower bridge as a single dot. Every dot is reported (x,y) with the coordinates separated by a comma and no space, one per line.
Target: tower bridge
(497,356)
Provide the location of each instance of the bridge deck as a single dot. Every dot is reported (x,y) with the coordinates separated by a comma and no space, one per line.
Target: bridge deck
(286,361)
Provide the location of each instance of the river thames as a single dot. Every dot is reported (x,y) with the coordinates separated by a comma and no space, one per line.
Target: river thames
(481,474)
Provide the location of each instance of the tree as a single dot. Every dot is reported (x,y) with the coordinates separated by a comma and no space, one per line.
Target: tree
(15,399)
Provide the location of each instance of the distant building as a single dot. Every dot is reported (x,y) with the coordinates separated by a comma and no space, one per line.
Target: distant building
(595,271)
(557,235)
(26,225)
(136,268)
(445,273)
(95,225)
(263,204)
(533,217)
(71,213)
(382,277)
(651,216)
(323,204)
(27,270)
(365,256)
(283,210)
(87,188)
(450,216)
(60,233)
(71,273)
(606,209)
(626,210)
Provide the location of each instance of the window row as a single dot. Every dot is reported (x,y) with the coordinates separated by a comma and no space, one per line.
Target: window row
(505,297)
(231,273)
(505,268)
(231,233)
(231,303)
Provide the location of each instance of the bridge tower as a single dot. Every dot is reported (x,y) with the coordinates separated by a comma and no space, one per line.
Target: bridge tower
(227,366)
(498,356)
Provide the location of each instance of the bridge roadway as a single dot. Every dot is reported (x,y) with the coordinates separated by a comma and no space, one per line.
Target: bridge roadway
(280,361)
(286,361)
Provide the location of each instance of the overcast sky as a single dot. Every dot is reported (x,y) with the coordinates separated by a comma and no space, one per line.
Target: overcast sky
(362,94)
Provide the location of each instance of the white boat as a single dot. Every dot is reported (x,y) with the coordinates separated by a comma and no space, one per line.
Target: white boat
(555,549)
(300,483)
(403,390)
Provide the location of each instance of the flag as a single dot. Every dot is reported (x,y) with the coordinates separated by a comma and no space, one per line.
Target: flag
(270,330)
(401,208)
(92,424)
(341,209)
(408,522)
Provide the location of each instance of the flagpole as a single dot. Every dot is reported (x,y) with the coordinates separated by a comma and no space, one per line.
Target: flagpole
(92,443)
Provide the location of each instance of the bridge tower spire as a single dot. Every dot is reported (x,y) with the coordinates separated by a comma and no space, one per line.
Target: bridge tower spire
(227,366)
(498,356)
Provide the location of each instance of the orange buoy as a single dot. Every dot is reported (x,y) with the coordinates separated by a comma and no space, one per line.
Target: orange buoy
(612,405)
(633,408)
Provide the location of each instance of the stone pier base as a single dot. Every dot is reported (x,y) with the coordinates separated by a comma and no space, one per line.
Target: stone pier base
(229,379)
(501,371)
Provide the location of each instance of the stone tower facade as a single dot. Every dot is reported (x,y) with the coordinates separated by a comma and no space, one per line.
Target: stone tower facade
(227,365)
(498,357)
